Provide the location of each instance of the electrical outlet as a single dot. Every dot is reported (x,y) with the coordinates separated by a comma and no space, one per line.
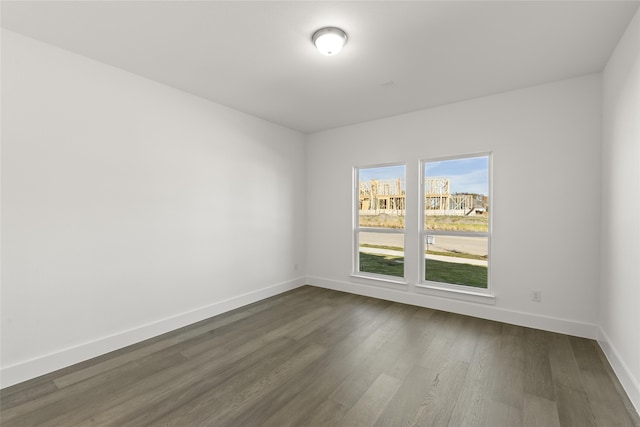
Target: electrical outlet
(536,296)
(295,267)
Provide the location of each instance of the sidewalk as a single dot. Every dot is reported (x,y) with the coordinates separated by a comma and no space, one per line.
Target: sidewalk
(455,260)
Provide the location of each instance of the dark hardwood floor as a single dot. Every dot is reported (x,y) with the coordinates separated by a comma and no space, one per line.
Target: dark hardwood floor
(314,357)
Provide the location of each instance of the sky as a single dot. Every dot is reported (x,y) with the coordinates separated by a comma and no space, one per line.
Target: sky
(383,172)
(465,175)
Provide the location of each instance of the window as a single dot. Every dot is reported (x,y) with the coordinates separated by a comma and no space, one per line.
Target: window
(455,222)
(379,223)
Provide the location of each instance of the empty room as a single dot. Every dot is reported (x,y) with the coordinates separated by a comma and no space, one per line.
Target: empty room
(320,213)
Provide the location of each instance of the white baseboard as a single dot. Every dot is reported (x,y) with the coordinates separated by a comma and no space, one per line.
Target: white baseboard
(47,363)
(630,384)
(483,311)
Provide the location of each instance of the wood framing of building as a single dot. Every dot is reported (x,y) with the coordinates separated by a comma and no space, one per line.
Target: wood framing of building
(382,195)
(388,196)
(438,197)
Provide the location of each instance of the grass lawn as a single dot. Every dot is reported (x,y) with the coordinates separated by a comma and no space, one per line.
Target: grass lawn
(382,264)
(457,274)
(436,271)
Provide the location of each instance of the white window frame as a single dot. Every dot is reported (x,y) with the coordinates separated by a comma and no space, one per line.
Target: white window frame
(357,229)
(441,287)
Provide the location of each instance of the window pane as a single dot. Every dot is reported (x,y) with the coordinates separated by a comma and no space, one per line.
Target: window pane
(381,196)
(381,253)
(459,260)
(456,194)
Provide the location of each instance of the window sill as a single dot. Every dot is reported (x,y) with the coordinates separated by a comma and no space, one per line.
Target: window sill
(431,288)
(380,280)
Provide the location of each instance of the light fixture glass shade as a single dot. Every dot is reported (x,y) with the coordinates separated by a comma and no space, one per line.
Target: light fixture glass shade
(330,40)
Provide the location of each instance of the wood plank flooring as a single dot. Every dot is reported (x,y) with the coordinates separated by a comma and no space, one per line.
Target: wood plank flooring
(315,357)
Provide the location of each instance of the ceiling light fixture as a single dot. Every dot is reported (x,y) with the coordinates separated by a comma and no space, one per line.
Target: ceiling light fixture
(329,40)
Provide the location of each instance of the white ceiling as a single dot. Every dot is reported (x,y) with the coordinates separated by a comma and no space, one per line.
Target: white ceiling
(257,57)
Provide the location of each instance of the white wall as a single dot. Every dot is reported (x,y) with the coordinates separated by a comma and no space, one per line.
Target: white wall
(619,296)
(130,208)
(546,146)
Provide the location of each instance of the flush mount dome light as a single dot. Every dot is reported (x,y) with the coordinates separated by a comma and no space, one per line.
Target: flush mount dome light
(329,40)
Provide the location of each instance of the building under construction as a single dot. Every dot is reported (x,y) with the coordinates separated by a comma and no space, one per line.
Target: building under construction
(383,196)
(438,199)
(388,196)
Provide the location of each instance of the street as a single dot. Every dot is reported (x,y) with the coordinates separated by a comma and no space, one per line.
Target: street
(464,244)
